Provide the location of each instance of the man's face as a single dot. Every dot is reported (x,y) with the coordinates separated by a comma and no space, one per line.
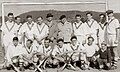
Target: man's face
(74,41)
(90,41)
(103,46)
(102,16)
(63,20)
(29,20)
(10,17)
(49,19)
(78,18)
(89,16)
(39,20)
(28,44)
(18,20)
(60,44)
(46,42)
(15,42)
(110,15)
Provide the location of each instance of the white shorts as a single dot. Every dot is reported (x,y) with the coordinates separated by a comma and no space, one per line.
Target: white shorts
(111,40)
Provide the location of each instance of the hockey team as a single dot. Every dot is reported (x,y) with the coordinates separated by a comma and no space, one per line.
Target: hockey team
(48,43)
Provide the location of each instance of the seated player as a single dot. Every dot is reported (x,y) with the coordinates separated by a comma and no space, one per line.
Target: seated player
(29,54)
(44,52)
(90,49)
(58,52)
(104,59)
(75,46)
(13,53)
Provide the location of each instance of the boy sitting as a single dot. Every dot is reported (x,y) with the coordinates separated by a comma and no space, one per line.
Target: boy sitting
(104,59)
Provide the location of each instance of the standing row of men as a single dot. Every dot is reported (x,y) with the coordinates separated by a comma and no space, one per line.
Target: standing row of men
(61,31)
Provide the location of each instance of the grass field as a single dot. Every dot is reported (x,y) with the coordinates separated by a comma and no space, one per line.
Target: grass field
(66,70)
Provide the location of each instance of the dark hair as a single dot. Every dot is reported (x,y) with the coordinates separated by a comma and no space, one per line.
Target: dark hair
(17,17)
(91,38)
(62,16)
(49,15)
(77,15)
(40,17)
(102,14)
(30,41)
(29,16)
(15,38)
(10,14)
(109,12)
(73,37)
(47,39)
(60,40)
(89,13)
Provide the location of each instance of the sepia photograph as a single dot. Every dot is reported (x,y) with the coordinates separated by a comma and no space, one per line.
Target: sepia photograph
(59,36)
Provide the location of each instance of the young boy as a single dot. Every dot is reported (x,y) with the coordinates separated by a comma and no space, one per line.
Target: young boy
(104,56)
(90,49)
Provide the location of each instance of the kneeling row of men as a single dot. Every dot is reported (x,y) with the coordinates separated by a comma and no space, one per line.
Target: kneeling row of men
(30,55)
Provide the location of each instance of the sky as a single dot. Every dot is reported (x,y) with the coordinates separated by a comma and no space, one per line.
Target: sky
(112,4)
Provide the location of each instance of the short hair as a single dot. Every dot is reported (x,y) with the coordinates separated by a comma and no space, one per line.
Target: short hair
(60,40)
(104,43)
(15,38)
(47,39)
(62,16)
(73,37)
(109,11)
(30,41)
(102,14)
(91,38)
(77,15)
(29,16)
(40,17)
(17,17)
(49,15)
(10,14)
(89,13)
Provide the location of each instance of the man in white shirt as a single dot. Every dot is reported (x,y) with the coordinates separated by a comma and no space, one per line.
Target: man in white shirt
(90,49)
(14,52)
(9,30)
(41,31)
(77,47)
(112,35)
(91,27)
(44,51)
(79,29)
(27,29)
(19,23)
(102,27)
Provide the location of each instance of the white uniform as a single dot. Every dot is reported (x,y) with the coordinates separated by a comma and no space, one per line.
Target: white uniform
(19,35)
(28,30)
(90,50)
(91,29)
(40,32)
(101,33)
(111,27)
(79,31)
(78,47)
(58,50)
(9,30)
(13,51)
(44,50)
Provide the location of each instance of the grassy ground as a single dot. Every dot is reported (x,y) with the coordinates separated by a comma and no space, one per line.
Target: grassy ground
(66,70)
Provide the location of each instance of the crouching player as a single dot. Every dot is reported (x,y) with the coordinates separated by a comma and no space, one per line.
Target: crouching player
(90,49)
(44,53)
(13,54)
(104,59)
(59,52)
